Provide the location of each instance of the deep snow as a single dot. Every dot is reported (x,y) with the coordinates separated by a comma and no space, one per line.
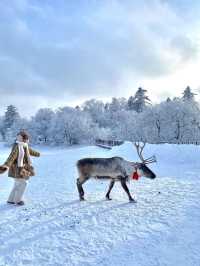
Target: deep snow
(54,228)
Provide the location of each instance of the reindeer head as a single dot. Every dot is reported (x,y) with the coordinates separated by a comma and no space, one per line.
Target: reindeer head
(142,168)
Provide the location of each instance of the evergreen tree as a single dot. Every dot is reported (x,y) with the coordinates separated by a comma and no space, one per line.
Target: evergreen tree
(11,116)
(139,102)
(188,95)
(168,100)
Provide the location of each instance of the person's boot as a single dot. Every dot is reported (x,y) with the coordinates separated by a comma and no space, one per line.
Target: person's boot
(10,202)
(20,203)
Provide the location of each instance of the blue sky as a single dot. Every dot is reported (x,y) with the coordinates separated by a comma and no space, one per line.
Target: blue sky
(55,53)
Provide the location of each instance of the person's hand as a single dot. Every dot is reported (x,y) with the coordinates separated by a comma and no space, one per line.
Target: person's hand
(3,168)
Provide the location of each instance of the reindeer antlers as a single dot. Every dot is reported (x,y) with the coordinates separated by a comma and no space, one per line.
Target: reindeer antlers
(140,147)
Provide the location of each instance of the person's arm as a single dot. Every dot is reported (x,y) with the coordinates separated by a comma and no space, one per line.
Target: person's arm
(12,157)
(34,153)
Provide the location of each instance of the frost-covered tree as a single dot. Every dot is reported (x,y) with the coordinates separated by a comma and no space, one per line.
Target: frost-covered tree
(139,102)
(40,125)
(176,121)
(150,124)
(96,109)
(72,126)
(117,104)
(124,125)
(173,121)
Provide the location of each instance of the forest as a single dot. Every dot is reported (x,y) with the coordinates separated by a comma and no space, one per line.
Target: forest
(174,120)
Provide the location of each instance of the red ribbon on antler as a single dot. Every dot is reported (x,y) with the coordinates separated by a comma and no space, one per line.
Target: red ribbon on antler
(135,175)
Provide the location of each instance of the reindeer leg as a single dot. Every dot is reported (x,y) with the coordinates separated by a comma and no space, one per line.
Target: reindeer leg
(123,183)
(79,183)
(112,182)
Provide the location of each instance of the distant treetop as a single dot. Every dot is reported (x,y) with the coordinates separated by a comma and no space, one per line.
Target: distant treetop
(139,102)
(188,95)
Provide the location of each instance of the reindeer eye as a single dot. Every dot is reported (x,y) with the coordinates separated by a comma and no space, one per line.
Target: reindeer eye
(143,166)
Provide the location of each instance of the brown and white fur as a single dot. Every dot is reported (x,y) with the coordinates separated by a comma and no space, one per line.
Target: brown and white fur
(113,169)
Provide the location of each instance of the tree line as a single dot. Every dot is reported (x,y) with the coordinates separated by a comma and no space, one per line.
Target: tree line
(135,119)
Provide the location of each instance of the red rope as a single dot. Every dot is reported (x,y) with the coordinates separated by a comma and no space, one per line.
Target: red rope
(135,175)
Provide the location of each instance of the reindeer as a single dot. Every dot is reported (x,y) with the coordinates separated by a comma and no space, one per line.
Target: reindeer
(113,169)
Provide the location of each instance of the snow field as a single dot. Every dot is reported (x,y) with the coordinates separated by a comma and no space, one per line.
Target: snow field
(54,228)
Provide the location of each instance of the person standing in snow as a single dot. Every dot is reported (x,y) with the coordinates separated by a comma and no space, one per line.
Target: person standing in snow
(20,167)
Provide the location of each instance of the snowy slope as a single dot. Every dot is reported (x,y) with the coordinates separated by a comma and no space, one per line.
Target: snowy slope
(54,228)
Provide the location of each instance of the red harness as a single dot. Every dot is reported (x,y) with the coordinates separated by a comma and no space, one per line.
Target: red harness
(135,175)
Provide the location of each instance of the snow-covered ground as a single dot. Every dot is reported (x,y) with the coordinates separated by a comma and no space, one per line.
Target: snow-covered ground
(54,228)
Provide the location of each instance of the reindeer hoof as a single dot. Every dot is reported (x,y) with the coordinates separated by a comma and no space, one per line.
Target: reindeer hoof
(131,200)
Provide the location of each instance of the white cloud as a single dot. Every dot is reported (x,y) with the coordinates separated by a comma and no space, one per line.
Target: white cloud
(100,48)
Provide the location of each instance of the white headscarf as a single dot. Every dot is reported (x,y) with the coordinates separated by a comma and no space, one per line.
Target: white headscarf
(21,146)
